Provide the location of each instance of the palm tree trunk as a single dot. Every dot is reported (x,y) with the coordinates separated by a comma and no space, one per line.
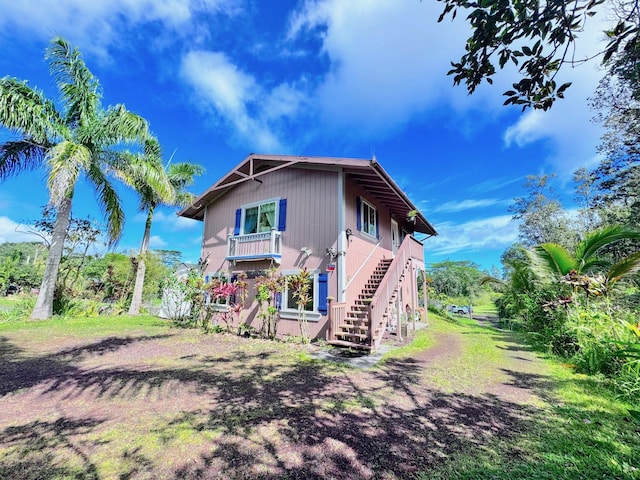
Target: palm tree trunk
(44,304)
(136,300)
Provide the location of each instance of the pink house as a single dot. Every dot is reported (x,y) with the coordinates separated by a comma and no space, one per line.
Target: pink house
(343,219)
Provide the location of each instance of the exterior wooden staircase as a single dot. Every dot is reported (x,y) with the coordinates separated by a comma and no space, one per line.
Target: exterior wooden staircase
(354,331)
(362,324)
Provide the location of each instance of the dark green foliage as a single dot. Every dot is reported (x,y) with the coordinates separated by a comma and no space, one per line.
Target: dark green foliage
(455,279)
(536,37)
(170,258)
(21,264)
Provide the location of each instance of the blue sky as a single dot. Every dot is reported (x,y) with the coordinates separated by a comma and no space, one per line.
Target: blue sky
(219,79)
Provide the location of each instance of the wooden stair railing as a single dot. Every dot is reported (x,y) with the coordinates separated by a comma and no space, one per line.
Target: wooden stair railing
(363,324)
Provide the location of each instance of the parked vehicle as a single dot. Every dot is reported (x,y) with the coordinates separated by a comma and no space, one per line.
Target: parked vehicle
(460,309)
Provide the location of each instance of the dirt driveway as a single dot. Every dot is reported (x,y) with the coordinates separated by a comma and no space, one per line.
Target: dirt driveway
(174,403)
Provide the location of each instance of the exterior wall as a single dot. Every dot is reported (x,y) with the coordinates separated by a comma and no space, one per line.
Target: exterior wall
(312,222)
(312,212)
(362,255)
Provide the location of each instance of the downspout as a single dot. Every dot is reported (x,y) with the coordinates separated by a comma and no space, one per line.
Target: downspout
(204,233)
(342,239)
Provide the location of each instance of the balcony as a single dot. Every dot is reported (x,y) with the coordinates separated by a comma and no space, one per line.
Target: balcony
(255,246)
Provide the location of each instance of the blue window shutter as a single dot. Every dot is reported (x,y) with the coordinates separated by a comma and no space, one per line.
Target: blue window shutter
(377,224)
(236,230)
(282,215)
(323,292)
(358,214)
(278,299)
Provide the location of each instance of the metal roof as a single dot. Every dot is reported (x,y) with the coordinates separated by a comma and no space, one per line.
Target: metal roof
(367,173)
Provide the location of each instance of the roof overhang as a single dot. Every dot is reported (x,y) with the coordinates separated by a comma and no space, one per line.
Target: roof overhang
(368,174)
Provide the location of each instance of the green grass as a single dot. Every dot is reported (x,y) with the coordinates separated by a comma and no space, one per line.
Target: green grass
(85,326)
(580,430)
(575,428)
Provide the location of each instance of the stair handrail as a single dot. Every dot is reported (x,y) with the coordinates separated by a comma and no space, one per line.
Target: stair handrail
(375,247)
(389,284)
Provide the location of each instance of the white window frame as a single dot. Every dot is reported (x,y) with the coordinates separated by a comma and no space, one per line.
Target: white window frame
(244,208)
(364,205)
(218,306)
(292,313)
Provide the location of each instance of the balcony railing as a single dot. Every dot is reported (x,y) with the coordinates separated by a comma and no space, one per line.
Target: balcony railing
(255,246)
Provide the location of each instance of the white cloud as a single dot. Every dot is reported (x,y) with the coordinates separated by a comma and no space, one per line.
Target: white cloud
(13,232)
(387,61)
(566,128)
(469,204)
(225,90)
(488,233)
(156,241)
(171,221)
(100,24)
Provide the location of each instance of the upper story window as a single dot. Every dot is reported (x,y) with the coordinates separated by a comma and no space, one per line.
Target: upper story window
(261,217)
(369,219)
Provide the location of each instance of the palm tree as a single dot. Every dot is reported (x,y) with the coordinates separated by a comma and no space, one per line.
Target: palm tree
(79,139)
(180,175)
(550,260)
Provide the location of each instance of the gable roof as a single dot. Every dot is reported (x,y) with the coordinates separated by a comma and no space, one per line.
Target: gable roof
(368,174)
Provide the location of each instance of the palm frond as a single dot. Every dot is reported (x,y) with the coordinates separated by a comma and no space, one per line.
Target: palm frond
(26,111)
(624,268)
(119,125)
(184,198)
(80,89)
(20,155)
(181,175)
(488,280)
(109,203)
(66,161)
(602,237)
(550,259)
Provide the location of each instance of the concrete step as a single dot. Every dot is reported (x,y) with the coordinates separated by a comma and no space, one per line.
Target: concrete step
(344,343)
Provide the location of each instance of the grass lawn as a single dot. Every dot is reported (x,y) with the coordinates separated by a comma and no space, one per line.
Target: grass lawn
(139,398)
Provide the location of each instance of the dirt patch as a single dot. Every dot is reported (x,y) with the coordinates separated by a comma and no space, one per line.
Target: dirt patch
(180,404)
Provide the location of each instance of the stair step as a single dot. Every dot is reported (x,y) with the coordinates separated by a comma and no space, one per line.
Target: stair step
(356,318)
(347,326)
(344,343)
(351,336)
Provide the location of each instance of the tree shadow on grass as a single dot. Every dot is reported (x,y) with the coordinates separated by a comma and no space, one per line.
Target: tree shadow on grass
(261,415)
(32,448)
(23,370)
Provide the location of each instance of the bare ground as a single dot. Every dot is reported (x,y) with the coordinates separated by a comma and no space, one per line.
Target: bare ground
(183,405)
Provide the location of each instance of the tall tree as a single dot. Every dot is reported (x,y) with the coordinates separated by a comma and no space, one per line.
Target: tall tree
(617,103)
(181,175)
(73,139)
(542,218)
(585,197)
(538,38)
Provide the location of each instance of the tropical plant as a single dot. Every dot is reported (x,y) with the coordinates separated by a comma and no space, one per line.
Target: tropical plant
(79,139)
(180,176)
(300,287)
(550,260)
(269,289)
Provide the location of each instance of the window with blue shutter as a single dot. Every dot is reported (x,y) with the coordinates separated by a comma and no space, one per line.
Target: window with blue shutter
(358,214)
(236,229)
(261,217)
(323,293)
(282,215)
